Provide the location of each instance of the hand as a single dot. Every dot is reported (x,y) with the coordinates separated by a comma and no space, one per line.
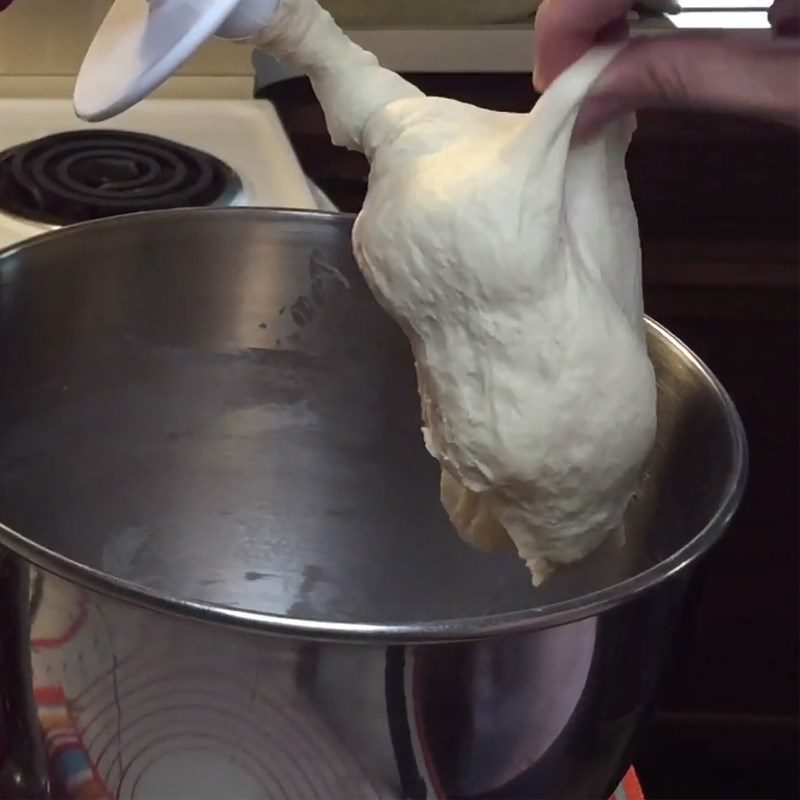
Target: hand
(759,77)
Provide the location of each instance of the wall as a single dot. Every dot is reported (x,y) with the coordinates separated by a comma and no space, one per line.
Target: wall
(50,37)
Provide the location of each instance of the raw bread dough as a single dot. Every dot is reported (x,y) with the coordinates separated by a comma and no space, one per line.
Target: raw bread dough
(512,263)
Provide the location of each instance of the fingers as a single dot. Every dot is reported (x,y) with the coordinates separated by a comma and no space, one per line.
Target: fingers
(758,78)
(784,17)
(566,29)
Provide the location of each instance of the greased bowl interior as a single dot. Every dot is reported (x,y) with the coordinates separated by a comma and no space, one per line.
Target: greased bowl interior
(205,411)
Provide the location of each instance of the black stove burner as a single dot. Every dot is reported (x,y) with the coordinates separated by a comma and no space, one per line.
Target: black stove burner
(83,175)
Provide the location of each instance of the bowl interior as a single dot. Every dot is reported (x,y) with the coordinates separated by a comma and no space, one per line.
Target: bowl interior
(210,405)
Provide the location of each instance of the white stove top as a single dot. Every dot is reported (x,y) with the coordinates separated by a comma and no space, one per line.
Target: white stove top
(245,134)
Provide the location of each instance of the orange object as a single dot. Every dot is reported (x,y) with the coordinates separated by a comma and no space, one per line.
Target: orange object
(630,788)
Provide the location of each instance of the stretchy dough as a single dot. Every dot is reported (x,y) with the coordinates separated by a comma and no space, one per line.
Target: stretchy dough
(512,263)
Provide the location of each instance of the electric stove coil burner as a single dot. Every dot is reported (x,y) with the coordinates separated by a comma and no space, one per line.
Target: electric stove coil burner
(84,175)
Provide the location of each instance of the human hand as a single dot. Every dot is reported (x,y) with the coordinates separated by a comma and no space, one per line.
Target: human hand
(745,75)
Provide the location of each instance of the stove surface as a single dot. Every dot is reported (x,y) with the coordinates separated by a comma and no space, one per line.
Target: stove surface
(242,141)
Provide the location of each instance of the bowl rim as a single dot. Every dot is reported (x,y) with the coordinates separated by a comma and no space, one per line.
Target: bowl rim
(428,631)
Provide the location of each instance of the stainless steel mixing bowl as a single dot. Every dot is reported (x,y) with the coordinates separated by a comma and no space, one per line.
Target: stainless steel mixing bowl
(225,566)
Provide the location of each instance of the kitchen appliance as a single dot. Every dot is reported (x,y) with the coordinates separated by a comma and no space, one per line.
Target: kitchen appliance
(226,571)
(56,169)
(139,45)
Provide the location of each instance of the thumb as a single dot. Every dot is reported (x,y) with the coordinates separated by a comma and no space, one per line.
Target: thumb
(759,78)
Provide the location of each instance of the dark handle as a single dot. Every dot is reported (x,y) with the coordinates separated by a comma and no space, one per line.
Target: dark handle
(23,775)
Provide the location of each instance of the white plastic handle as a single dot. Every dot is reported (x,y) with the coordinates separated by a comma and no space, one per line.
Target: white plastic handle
(140,44)
(247,19)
